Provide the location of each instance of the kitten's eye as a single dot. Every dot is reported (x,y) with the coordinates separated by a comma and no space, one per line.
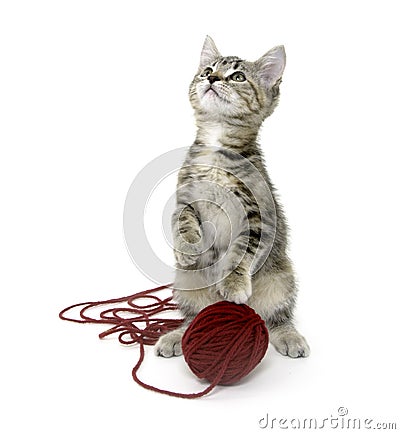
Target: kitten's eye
(206,72)
(238,76)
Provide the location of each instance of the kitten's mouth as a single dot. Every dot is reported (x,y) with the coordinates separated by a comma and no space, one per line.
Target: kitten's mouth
(211,90)
(213,95)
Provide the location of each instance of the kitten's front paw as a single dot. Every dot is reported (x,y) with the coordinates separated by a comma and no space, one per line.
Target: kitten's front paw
(169,344)
(235,288)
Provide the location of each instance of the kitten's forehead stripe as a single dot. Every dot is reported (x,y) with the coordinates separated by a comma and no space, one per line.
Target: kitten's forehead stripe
(229,72)
(233,62)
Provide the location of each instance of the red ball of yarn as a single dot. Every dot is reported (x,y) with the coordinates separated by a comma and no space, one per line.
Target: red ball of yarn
(225,342)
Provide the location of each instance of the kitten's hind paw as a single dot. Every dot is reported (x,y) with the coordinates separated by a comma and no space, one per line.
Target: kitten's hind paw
(170,344)
(289,342)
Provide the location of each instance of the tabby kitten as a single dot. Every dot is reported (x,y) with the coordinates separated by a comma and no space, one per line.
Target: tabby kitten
(230,234)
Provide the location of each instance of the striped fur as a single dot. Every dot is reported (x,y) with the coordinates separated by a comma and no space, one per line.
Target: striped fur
(230,234)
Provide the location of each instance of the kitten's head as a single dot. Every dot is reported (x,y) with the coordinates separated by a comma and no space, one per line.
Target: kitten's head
(229,87)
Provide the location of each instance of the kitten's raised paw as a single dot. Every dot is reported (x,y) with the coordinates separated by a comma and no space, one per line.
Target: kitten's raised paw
(291,344)
(169,345)
(185,260)
(186,254)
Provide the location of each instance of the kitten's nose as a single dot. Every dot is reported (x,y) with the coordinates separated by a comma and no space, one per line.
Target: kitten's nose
(212,78)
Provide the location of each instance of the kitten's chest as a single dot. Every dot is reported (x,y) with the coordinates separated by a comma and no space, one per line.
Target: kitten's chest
(210,170)
(210,164)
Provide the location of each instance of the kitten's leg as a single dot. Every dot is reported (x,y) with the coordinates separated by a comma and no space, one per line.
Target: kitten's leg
(190,302)
(274,296)
(283,334)
(187,235)
(236,284)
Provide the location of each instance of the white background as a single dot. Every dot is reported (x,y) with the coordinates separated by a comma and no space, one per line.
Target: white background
(91,91)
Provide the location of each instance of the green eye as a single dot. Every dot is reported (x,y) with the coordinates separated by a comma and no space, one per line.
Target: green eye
(238,76)
(206,72)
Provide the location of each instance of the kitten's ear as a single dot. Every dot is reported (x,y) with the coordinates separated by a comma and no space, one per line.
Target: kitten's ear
(209,53)
(271,66)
